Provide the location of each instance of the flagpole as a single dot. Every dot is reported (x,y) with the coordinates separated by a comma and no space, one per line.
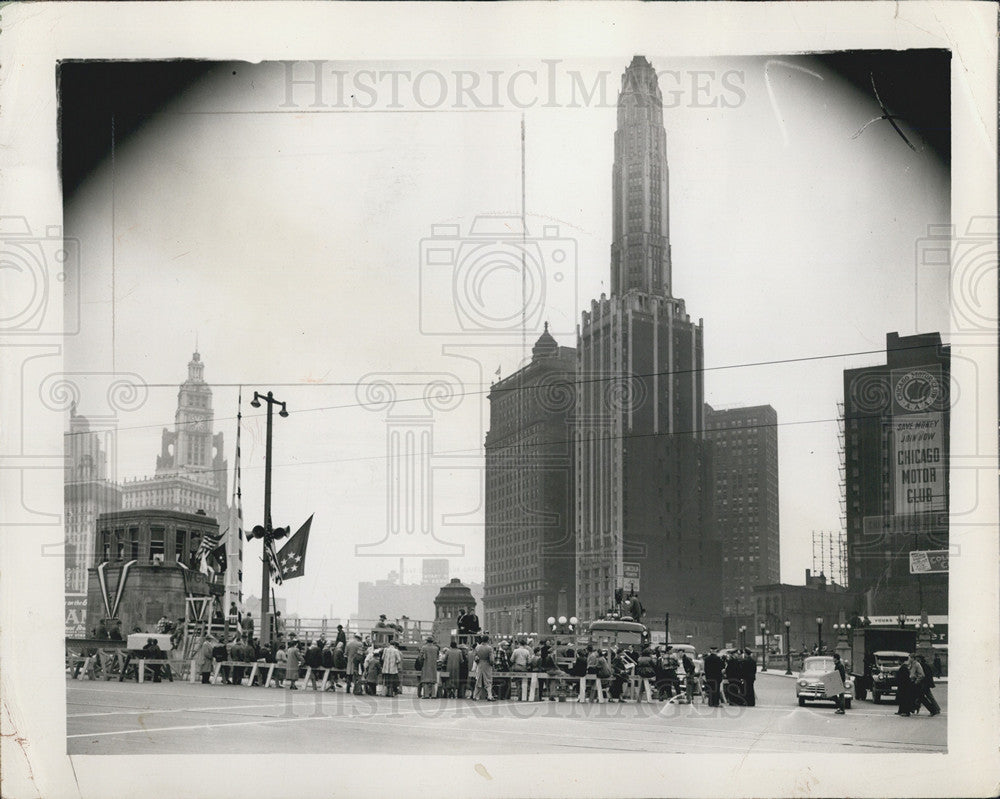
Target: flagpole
(265,565)
(274,602)
(265,571)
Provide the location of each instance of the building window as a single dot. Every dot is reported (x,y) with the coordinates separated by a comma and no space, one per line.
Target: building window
(157,542)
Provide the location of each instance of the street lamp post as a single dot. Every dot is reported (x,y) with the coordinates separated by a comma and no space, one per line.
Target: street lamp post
(265,632)
(743,636)
(788,647)
(763,646)
(819,635)
(562,625)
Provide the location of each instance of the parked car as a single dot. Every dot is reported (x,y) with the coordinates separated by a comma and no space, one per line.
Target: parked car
(809,685)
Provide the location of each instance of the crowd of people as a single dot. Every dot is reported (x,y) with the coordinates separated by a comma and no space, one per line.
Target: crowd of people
(478,669)
(475,668)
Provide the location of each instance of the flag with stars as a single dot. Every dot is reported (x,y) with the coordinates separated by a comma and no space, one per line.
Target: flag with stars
(292,556)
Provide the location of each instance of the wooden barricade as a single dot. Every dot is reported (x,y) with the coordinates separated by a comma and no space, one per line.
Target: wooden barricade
(251,667)
(638,685)
(524,677)
(537,677)
(142,663)
(82,665)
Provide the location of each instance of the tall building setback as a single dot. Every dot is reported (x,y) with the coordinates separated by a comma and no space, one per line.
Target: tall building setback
(896,429)
(529,559)
(87,494)
(745,459)
(192,472)
(643,465)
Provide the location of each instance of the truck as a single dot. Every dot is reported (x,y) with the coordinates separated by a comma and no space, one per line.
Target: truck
(884,649)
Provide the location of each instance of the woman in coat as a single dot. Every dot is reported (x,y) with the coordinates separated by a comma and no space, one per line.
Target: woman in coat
(280,661)
(453,662)
(292,666)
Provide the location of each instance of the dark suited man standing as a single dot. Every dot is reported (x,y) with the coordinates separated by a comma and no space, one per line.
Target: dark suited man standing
(713,675)
(749,664)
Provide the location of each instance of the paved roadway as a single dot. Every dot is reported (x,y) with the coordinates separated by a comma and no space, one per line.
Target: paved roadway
(180,718)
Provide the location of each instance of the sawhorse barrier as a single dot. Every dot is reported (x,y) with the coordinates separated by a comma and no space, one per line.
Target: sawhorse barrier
(538,677)
(326,676)
(250,670)
(639,685)
(524,677)
(82,665)
(142,663)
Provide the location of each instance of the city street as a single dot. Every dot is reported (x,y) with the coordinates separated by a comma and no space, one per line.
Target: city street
(180,718)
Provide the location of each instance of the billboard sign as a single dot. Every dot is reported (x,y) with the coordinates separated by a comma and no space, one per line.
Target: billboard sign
(630,581)
(918,463)
(76,615)
(929,561)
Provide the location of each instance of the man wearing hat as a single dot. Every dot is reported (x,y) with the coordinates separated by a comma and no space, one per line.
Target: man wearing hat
(484,676)
(392,661)
(713,675)
(341,636)
(428,671)
(354,653)
(203,660)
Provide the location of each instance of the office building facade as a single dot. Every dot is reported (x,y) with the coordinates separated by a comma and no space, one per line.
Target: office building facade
(529,557)
(896,437)
(745,457)
(643,471)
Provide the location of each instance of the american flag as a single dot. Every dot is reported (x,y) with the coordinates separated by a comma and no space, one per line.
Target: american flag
(210,543)
(272,561)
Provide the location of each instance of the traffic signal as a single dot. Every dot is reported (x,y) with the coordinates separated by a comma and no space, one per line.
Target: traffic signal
(277,532)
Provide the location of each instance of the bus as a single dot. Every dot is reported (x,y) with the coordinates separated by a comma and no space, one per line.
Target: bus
(622,633)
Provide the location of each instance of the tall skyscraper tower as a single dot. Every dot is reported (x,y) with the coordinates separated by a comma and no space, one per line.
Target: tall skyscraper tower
(643,466)
(896,430)
(192,472)
(529,559)
(745,458)
(88,493)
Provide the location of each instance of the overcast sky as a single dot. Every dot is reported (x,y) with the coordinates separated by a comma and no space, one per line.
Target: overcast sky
(285,229)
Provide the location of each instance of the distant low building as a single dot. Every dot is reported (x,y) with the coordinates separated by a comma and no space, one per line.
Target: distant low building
(395,599)
(802,605)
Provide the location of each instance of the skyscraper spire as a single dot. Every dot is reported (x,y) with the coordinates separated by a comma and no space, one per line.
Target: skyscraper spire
(640,248)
